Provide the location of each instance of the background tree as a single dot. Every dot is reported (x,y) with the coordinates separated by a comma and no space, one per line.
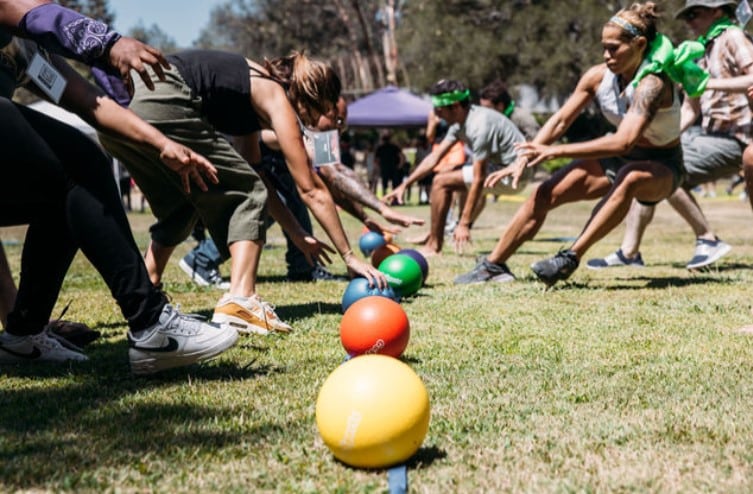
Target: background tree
(154,36)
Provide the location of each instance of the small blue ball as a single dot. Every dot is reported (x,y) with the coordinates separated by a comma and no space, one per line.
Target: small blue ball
(369,242)
(359,288)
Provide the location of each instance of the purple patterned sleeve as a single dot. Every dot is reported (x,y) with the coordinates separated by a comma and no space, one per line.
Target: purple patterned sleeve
(111,82)
(68,33)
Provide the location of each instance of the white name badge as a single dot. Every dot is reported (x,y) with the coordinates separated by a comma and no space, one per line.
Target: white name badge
(46,77)
(323,147)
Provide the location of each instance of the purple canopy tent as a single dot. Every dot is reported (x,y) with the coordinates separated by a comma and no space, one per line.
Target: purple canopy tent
(389,107)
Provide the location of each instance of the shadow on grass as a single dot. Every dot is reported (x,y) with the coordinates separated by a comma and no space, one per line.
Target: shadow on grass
(424,457)
(640,282)
(69,420)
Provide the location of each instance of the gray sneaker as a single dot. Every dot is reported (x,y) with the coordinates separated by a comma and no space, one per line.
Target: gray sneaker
(556,268)
(486,271)
(41,347)
(177,340)
(708,252)
(615,259)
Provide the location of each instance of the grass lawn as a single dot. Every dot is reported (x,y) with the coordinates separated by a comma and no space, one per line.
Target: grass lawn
(624,380)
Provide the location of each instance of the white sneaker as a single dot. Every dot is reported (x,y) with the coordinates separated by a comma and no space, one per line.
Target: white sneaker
(177,340)
(707,252)
(249,315)
(40,347)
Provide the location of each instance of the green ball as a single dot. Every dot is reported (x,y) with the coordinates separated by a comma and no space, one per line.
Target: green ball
(403,274)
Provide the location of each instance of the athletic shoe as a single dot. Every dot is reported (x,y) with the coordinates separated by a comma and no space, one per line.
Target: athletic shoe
(616,259)
(707,252)
(202,276)
(248,315)
(176,340)
(556,268)
(41,347)
(486,271)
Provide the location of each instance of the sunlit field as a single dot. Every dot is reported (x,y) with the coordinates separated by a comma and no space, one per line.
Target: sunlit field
(619,380)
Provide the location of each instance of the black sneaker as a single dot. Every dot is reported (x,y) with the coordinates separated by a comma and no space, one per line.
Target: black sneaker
(202,276)
(557,268)
(486,271)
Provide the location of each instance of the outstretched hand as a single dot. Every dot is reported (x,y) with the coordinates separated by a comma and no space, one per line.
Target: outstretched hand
(396,218)
(131,54)
(515,170)
(189,165)
(461,237)
(356,267)
(315,251)
(395,197)
(379,228)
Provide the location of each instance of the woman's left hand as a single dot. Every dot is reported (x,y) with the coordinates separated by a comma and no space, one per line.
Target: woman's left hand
(189,165)
(534,153)
(361,268)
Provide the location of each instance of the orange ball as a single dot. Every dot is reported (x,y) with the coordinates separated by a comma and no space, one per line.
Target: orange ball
(382,253)
(375,325)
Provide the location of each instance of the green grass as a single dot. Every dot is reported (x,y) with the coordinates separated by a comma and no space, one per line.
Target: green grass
(629,380)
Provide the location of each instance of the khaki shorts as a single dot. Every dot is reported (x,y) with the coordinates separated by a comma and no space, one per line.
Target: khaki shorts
(232,210)
(503,187)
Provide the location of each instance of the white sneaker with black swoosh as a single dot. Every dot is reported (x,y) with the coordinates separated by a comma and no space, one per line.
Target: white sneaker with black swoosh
(39,347)
(177,340)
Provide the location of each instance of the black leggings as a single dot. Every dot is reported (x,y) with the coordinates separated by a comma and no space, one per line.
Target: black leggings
(58,181)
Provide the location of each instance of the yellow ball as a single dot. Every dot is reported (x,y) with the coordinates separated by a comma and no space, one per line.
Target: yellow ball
(373,412)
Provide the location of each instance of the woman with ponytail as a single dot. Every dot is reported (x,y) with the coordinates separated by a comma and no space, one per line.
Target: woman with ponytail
(216,103)
(636,91)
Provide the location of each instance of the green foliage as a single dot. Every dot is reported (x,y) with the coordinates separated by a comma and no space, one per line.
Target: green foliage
(544,43)
(154,36)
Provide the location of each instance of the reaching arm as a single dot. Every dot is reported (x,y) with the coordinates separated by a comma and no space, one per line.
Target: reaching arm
(462,233)
(689,113)
(313,250)
(649,96)
(344,183)
(422,169)
(68,33)
(90,103)
(270,100)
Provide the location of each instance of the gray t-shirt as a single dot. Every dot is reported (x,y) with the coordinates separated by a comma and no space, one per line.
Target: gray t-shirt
(489,134)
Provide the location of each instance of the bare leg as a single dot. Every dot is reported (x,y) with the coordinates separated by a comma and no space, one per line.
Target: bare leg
(244,255)
(685,204)
(439,204)
(748,172)
(157,256)
(442,189)
(638,218)
(646,181)
(578,181)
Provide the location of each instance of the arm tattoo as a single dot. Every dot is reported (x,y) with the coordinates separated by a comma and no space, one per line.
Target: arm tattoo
(648,96)
(354,190)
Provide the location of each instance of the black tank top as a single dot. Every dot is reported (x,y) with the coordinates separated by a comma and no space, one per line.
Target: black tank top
(222,82)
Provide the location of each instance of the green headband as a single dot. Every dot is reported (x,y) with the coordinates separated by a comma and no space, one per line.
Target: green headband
(446,99)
